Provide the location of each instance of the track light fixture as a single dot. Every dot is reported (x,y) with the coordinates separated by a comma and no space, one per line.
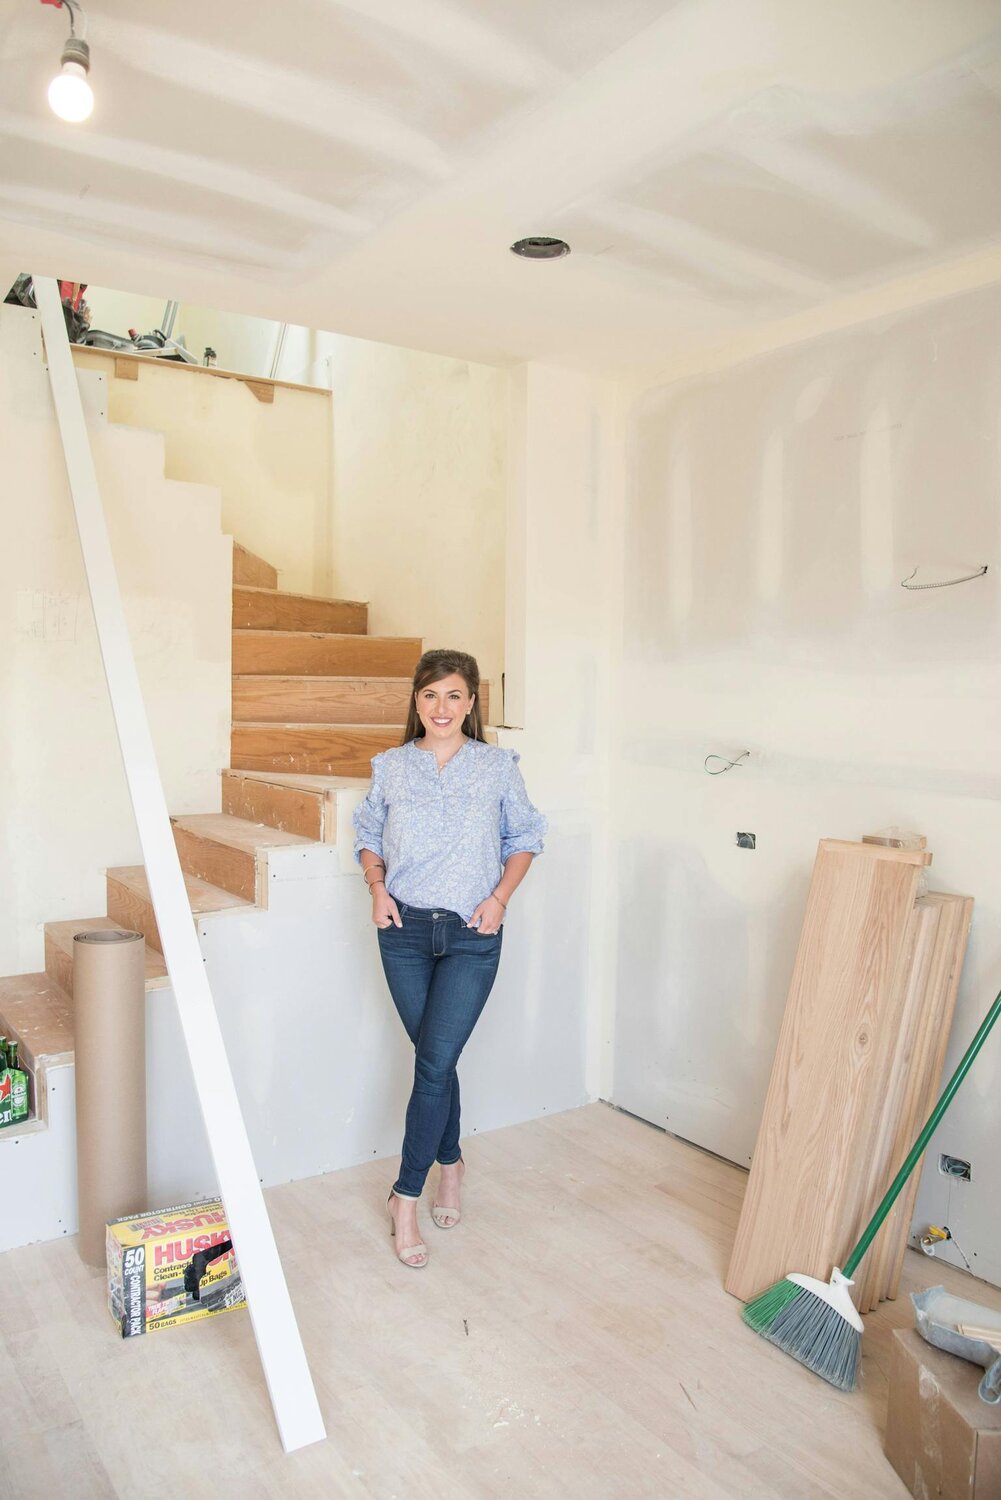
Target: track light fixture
(70,94)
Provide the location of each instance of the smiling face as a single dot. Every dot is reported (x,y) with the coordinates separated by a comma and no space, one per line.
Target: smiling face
(442,708)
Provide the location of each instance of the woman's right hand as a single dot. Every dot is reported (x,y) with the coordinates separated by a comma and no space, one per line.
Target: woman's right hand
(384,909)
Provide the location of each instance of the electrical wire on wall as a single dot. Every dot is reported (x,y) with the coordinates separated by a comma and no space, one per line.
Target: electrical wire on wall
(945,583)
(724,764)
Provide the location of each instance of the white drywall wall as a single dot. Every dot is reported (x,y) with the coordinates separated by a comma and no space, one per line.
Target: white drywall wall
(271,460)
(64,808)
(419,480)
(562,593)
(773,509)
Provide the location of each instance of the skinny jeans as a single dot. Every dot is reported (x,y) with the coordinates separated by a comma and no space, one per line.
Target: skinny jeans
(440,973)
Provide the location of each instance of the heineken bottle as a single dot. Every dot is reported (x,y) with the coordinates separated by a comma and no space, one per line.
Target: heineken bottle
(13,1086)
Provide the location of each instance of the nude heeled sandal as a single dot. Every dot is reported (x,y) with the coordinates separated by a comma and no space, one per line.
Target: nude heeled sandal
(419,1249)
(440,1212)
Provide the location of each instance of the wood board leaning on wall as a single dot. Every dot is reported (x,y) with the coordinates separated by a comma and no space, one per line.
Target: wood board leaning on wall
(858,1062)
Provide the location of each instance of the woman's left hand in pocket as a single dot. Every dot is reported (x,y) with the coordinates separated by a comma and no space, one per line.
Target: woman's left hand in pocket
(487,917)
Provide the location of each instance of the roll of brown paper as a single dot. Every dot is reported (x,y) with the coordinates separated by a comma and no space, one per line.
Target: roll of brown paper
(109,1002)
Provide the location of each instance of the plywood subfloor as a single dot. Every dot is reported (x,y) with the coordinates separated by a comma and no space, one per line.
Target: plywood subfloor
(570,1338)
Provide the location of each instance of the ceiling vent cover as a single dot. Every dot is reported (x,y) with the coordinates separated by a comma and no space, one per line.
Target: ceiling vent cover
(540,247)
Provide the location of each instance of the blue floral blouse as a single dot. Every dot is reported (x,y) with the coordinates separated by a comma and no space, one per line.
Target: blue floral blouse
(446,835)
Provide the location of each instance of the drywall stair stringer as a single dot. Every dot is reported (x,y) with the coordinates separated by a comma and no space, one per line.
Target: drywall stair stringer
(63,799)
(38,1169)
(38,1179)
(299,991)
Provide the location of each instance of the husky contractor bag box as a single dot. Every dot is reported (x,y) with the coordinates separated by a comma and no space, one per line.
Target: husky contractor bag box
(171,1266)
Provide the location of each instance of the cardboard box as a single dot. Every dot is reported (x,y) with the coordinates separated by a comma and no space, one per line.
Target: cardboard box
(171,1266)
(941,1438)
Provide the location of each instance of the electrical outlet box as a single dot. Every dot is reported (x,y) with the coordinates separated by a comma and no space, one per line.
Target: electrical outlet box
(954,1166)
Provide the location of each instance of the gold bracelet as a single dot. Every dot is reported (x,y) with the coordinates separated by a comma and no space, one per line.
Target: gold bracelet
(497,898)
(372,867)
(371,883)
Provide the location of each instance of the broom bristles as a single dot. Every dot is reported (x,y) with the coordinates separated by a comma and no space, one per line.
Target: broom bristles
(816,1334)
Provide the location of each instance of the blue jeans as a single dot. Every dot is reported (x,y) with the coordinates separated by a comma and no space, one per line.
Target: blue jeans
(439,973)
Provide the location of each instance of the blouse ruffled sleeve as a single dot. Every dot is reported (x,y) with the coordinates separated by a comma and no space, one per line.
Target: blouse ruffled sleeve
(523,827)
(369,816)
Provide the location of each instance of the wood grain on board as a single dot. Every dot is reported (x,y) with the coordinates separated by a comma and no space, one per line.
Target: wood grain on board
(319,749)
(945,970)
(809,1185)
(252,570)
(264,608)
(292,653)
(307,699)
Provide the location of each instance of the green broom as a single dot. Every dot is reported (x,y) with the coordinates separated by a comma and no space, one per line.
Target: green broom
(816,1321)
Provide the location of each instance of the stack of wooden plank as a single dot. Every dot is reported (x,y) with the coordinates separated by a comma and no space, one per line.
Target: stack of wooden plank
(856,1072)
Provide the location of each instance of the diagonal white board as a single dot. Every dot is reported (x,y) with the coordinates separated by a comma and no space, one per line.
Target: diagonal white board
(279,1343)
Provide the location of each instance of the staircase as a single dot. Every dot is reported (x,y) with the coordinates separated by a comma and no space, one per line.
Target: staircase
(314,698)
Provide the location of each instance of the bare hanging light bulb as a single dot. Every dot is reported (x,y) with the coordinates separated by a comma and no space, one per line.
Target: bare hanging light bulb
(70,94)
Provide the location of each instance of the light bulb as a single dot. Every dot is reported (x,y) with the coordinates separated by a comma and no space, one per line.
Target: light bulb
(70,95)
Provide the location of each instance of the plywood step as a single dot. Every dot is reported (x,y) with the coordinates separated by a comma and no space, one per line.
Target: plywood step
(59,951)
(319,749)
(252,570)
(130,905)
(227,851)
(295,653)
(39,1013)
(326,700)
(266,609)
(302,804)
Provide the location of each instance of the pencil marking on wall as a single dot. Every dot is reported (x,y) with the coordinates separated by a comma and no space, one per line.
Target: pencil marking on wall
(47,617)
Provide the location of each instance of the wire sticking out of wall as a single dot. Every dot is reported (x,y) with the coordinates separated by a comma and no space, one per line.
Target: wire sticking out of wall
(724,764)
(944,583)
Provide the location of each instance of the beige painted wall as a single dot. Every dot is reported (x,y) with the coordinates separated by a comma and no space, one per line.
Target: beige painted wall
(65,815)
(270,460)
(420,489)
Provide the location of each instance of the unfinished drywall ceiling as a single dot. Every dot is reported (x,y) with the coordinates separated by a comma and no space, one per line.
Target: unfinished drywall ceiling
(363,165)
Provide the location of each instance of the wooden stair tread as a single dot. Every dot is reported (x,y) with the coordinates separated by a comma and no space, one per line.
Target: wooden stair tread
(236,833)
(268,593)
(320,677)
(308,678)
(62,934)
(302,781)
(259,651)
(202,897)
(316,728)
(332,635)
(325,696)
(39,1013)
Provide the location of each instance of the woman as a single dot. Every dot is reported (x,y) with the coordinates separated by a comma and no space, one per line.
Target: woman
(445,836)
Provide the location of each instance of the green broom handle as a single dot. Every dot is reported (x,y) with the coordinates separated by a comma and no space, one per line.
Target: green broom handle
(893,1191)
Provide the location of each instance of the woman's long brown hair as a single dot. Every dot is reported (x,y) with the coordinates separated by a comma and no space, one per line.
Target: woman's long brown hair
(432,667)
